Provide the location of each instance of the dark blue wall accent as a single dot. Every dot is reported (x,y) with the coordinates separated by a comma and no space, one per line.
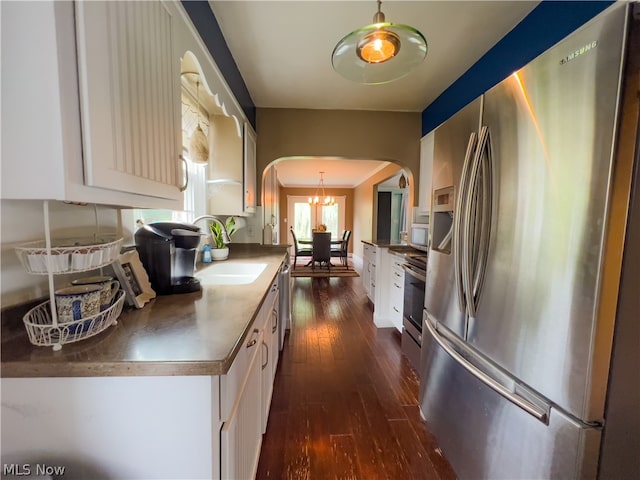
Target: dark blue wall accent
(545,26)
(208,28)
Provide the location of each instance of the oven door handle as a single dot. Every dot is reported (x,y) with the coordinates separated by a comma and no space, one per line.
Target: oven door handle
(415,273)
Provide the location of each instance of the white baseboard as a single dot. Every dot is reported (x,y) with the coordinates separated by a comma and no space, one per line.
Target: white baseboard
(356,261)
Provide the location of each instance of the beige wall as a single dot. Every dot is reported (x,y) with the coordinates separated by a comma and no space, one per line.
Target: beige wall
(307,192)
(365,204)
(388,136)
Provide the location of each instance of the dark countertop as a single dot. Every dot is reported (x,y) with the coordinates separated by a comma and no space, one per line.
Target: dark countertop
(187,334)
(375,243)
(397,247)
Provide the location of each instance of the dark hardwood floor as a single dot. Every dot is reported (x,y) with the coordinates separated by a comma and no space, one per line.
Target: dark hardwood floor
(345,400)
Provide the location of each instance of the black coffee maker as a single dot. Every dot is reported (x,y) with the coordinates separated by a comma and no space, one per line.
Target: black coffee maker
(168,252)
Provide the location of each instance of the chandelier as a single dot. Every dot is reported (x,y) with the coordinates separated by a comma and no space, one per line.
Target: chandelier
(324,200)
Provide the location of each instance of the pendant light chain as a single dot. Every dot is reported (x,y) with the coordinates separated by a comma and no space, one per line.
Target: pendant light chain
(325,201)
(198,99)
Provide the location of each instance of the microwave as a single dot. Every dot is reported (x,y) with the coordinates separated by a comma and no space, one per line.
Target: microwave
(419,236)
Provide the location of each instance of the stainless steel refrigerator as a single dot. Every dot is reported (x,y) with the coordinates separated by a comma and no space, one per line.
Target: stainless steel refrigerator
(532,206)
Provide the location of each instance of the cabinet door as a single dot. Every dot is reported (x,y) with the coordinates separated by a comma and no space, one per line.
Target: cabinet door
(366,274)
(249,169)
(426,166)
(241,434)
(396,295)
(274,331)
(129,97)
(372,283)
(270,361)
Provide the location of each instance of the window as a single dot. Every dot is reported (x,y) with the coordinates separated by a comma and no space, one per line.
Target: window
(194,200)
(304,217)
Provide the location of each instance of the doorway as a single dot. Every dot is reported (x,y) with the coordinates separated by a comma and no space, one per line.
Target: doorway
(304,217)
(391,216)
(392,209)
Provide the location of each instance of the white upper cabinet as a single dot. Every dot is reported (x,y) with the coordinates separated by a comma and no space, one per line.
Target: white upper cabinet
(110,139)
(129,93)
(91,102)
(232,168)
(426,167)
(249,169)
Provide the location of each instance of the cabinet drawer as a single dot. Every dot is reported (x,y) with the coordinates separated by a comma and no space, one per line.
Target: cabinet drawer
(369,252)
(397,274)
(231,383)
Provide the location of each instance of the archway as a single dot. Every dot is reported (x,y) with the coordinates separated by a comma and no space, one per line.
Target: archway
(361,199)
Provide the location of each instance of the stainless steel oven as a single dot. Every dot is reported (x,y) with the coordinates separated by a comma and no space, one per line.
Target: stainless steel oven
(414,287)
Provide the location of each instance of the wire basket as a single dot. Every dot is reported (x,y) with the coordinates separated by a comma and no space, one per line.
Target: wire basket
(43,333)
(69,256)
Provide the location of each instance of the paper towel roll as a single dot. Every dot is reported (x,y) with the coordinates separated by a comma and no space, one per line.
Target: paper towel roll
(267,235)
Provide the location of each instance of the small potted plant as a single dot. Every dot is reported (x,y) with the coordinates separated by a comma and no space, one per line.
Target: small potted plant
(219,249)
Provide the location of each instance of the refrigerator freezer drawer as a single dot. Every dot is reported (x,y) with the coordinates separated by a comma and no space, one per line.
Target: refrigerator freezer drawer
(485,436)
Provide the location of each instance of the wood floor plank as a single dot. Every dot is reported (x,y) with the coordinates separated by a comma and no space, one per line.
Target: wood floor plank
(368,453)
(343,449)
(272,455)
(415,457)
(428,442)
(394,462)
(319,443)
(345,400)
(296,463)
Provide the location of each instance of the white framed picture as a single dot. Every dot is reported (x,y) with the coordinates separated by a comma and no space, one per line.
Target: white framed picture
(133,279)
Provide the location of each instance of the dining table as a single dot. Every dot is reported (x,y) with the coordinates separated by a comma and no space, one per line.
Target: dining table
(309,241)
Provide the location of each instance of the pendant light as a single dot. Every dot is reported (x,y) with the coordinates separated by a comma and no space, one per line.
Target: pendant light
(198,144)
(402,181)
(324,200)
(379,53)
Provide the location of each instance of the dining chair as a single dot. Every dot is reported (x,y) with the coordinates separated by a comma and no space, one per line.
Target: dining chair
(297,251)
(341,250)
(321,251)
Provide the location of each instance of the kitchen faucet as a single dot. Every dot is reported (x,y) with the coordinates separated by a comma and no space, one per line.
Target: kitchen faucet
(213,218)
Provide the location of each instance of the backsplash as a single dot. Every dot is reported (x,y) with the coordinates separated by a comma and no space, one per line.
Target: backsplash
(23,221)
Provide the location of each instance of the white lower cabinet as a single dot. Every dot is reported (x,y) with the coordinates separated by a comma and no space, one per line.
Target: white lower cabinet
(390,296)
(396,295)
(245,394)
(270,363)
(369,270)
(113,427)
(241,435)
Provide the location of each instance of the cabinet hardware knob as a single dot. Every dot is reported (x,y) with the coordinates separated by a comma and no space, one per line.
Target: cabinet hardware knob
(252,342)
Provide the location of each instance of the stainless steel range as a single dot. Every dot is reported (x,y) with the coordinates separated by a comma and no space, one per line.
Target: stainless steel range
(414,288)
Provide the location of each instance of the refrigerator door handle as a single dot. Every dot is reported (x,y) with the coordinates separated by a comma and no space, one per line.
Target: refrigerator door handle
(458,221)
(470,217)
(531,408)
(486,205)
